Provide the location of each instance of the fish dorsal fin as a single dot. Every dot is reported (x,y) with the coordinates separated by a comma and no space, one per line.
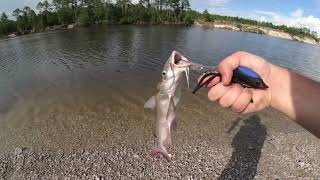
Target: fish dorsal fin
(151,103)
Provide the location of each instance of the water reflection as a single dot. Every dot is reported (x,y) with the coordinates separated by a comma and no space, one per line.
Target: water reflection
(109,56)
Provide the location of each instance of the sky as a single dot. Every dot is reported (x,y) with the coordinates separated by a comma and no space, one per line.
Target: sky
(297,13)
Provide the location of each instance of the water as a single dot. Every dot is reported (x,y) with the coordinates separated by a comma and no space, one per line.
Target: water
(50,82)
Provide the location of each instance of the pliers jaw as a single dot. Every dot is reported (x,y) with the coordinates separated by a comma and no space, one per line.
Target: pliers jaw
(211,74)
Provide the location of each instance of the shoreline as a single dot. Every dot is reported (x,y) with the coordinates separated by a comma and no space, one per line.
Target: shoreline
(256,30)
(57,28)
(196,23)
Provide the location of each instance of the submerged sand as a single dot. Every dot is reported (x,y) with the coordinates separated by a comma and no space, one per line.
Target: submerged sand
(109,136)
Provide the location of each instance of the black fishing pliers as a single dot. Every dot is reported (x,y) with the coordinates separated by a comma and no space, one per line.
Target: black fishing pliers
(241,75)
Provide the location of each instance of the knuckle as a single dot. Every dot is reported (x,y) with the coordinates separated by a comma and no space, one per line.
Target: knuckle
(211,95)
(216,92)
(223,103)
(237,88)
(247,92)
(224,67)
(240,53)
(242,101)
(238,107)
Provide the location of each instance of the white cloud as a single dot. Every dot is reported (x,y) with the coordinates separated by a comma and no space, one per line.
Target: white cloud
(216,3)
(267,13)
(213,6)
(296,19)
(135,1)
(297,13)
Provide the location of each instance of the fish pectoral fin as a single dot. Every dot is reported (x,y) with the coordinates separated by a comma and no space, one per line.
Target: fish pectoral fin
(151,103)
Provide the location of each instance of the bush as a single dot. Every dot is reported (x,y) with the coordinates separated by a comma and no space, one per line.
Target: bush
(239,26)
(83,19)
(126,20)
(188,21)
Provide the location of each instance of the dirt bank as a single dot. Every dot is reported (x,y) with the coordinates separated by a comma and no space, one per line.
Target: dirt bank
(256,29)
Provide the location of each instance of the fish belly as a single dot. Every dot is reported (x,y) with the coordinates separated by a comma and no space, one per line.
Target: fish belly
(165,116)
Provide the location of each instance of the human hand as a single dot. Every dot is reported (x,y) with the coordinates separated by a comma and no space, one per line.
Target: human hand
(234,95)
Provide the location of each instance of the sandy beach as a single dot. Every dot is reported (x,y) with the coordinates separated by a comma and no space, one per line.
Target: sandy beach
(97,138)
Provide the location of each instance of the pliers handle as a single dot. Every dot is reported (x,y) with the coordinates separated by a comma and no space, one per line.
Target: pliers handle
(241,75)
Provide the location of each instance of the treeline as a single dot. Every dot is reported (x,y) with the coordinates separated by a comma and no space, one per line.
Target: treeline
(301,32)
(87,12)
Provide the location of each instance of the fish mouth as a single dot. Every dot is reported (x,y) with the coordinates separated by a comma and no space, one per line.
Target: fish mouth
(180,61)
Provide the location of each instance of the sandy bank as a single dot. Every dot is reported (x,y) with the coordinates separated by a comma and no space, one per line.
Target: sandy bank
(256,29)
(103,137)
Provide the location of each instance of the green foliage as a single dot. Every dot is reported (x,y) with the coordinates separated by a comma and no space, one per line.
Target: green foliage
(293,31)
(66,10)
(44,8)
(83,18)
(87,12)
(188,20)
(206,16)
(98,11)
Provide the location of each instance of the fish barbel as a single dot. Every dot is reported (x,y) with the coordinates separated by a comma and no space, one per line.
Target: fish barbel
(166,101)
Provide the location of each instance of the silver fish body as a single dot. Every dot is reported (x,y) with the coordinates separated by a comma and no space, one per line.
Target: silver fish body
(167,99)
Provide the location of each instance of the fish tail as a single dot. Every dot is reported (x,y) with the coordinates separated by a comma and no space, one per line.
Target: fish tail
(156,151)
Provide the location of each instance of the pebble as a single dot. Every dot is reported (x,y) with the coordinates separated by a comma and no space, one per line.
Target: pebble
(301,163)
(18,152)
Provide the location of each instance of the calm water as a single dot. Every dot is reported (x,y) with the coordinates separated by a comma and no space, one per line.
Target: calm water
(112,56)
(84,70)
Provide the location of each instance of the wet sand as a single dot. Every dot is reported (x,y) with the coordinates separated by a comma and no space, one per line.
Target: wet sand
(102,136)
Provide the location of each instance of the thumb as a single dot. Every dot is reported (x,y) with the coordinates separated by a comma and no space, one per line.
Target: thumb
(230,63)
(226,71)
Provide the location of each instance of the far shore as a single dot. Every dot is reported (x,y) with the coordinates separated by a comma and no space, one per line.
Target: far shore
(197,23)
(255,29)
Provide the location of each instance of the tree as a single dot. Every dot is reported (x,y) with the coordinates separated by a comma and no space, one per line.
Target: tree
(185,5)
(4,18)
(86,12)
(145,3)
(16,13)
(99,11)
(124,4)
(64,10)
(3,24)
(22,19)
(44,8)
(83,19)
(206,15)
(74,7)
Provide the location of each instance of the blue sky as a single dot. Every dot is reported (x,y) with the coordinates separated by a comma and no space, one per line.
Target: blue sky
(299,13)
(245,7)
